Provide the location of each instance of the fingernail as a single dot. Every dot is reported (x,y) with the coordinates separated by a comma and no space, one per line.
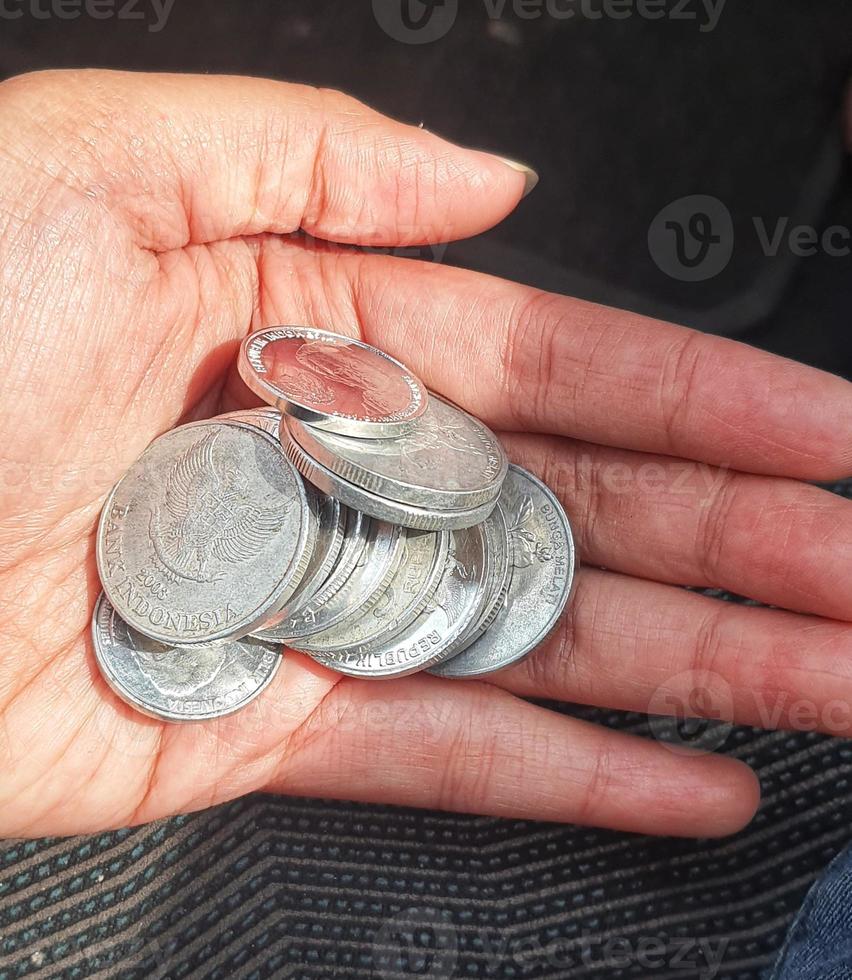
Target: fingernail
(530,176)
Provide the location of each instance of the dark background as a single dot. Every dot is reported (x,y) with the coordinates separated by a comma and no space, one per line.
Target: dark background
(621,118)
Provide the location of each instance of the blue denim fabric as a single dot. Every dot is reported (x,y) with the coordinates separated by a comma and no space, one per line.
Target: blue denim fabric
(819,945)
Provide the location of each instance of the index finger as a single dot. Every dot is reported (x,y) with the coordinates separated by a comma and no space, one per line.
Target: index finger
(527,360)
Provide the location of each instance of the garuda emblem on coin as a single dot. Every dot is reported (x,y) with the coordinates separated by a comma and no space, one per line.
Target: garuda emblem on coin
(208,516)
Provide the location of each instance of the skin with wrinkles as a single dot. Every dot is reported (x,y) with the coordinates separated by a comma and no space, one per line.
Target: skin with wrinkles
(147,224)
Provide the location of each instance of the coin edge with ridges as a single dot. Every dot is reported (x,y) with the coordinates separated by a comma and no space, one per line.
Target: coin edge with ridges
(339,664)
(340,571)
(365,604)
(411,612)
(380,485)
(381,508)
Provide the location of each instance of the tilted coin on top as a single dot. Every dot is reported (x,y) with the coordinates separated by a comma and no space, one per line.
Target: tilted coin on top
(206,535)
(186,684)
(332,382)
(543,565)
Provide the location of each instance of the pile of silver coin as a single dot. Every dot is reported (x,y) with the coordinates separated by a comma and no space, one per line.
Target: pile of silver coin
(359,519)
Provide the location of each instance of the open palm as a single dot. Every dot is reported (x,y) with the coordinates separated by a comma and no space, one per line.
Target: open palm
(146,224)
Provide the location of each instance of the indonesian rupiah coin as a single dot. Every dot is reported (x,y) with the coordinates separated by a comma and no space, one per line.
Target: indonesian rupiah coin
(363,588)
(449,461)
(328,515)
(333,382)
(543,567)
(421,567)
(206,535)
(380,508)
(448,615)
(268,419)
(495,585)
(308,611)
(179,683)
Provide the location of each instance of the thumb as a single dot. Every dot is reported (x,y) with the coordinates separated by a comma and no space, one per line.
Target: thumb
(193,159)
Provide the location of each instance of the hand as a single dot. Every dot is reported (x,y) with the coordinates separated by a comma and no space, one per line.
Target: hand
(145,227)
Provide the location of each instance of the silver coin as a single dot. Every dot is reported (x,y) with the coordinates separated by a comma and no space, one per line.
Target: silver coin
(206,535)
(330,518)
(179,683)
(422,561)
(377,562)
(328,514)
(543,565)
(380,508)
(450,461)
(495,585)
(447,617)
(331,381)
(304,618)
(267,419)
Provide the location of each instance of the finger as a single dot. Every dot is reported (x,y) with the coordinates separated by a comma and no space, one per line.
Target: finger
(418,741)
(776,540)
(425,742)
(642,646)
(532,361)
(195,159)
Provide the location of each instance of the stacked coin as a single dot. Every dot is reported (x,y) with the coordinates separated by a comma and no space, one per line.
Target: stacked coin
(375,527)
